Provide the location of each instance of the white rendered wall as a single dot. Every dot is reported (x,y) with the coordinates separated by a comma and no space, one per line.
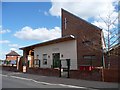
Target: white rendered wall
(67,49)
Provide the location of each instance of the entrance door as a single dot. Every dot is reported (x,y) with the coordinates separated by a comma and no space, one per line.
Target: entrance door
(56,60)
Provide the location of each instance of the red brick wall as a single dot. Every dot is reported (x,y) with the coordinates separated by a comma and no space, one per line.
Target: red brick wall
(75,74)
(83,31)
(114,61)
(11,57)
(9,68)
(43,71)
(114,58)
(94,75)
(111,75)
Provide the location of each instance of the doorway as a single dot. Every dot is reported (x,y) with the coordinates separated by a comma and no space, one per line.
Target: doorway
(56,60)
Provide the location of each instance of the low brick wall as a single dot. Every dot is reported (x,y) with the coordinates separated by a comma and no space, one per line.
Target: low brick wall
(43,71)
(9,68)
(111,75)
(94,75)
(75,74)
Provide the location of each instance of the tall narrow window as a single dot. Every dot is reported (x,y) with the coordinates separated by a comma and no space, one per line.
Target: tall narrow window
(44,59)
(65,23)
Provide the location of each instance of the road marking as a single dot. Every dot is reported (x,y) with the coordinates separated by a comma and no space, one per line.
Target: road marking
(21,78)
(60,85)
(63,85)
(4,75)
(14,73)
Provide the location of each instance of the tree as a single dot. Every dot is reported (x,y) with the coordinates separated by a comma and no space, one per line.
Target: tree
(111,29)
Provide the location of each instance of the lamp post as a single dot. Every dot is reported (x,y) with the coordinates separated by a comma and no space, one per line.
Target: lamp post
(103,59)
(103,64)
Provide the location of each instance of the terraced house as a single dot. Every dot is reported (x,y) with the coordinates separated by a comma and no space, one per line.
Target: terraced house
(81,42)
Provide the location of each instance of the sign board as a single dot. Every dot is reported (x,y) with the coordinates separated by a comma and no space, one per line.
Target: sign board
(29,57)
(24,68)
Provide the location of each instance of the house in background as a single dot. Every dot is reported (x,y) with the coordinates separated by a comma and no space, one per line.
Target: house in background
(12,57)
(81,42)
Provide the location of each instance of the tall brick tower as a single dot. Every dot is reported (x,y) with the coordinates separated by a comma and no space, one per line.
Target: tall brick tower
(88,36)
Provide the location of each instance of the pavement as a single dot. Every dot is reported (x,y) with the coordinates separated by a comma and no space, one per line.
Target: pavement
(75,83)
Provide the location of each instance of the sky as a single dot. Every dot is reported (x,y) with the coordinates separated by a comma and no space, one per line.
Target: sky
(27,23)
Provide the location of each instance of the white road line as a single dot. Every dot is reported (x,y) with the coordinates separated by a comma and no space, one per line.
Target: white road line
(21,78)
(59,84)
(14,73)
(46,82)
(4,75)
(71,86)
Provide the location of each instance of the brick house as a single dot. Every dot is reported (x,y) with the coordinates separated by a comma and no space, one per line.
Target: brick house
(81,42)
(12,56)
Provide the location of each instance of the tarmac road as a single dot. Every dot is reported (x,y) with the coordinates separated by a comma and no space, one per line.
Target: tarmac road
(10,82)
(21,80)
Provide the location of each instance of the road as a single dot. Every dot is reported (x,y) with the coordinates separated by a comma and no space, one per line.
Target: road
(21,80)
(10,82)
(18,82)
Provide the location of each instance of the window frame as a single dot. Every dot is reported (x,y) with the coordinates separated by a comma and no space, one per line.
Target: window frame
(90,59)
(45,57)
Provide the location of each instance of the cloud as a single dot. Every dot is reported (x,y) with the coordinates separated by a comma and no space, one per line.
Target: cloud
(14,49)
(104,22)
(88,9)
(82,8)
(2,31)
(103,26)
(42,34)
(4,41)
(14,45)
(4,52)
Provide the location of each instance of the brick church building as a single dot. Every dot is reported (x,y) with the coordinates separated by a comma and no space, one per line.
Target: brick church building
(81,42)
(90,39)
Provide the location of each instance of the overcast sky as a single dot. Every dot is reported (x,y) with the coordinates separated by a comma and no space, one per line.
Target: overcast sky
(27,23)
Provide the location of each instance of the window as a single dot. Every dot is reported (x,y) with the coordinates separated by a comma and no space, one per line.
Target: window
(89,59)
(36,63)
(7,56)
(87,42)
(37,56)
(65,22)
(44,59)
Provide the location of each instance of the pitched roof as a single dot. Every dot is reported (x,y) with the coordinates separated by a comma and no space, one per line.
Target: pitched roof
(58,40)
(12,53)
